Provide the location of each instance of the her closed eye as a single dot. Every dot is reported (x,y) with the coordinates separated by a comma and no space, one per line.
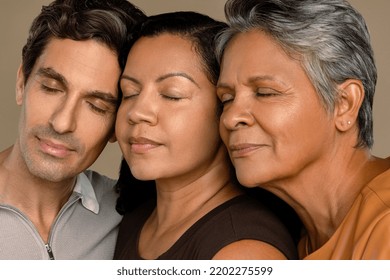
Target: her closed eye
(171,97)
(129,95)
(226,98)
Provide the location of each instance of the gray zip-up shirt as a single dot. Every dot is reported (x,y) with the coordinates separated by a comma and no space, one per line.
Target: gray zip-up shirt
(85,228)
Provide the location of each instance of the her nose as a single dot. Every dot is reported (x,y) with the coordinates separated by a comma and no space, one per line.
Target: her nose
(143,108)
(237,114)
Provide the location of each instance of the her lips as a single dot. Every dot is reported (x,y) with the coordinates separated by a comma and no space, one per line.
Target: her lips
(242,150)
(141,145)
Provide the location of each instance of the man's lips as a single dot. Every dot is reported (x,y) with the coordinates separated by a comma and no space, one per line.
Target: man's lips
(55,148)
(244,149)
(141,145)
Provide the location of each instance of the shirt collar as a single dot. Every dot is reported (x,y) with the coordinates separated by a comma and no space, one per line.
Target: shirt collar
(88,198)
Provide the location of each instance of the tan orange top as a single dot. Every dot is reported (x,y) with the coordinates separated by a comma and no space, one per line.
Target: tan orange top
(365,231)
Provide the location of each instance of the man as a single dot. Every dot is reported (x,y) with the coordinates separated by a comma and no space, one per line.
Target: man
(67,88)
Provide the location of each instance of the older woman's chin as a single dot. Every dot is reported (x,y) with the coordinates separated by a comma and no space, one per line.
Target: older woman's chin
(247,180)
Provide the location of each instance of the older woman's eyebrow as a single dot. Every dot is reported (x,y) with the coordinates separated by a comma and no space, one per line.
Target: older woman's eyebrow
(260,78)
(177,74)
(223,85)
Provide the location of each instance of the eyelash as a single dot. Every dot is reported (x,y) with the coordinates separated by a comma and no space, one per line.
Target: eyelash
(97,109)
(49,89)
(93,107)
(125,97)
(226,101)
(259,94)
(172,98)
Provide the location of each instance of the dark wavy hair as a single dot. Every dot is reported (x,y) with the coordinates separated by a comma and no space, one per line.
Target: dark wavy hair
(201,30)
(108,21)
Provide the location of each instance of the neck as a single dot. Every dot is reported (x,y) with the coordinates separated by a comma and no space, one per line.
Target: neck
(179,199)
(322,204)
(180,203)
(40,200)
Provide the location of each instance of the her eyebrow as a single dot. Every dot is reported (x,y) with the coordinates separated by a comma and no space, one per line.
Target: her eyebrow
(223,86)
(252,80)
(177,74)
(261,78)
(265,78)
(131,79)
(162,78)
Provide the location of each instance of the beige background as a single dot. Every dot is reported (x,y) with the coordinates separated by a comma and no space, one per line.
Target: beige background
(16,17)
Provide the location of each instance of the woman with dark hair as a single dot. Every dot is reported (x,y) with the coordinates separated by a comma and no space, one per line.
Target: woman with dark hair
(167,128)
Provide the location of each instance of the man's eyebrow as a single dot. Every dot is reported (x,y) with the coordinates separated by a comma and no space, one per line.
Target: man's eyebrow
(177,74)
(105,96)
(52,74)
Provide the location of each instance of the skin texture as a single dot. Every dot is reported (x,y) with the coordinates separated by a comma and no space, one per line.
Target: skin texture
(154,94)
(267,106)
(67,99)
(56,143)
(167,128)
(280,136)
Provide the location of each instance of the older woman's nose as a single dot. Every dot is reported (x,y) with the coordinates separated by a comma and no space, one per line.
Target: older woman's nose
(237,114)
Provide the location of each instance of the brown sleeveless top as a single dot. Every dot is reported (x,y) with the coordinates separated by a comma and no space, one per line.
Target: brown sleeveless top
(239,218)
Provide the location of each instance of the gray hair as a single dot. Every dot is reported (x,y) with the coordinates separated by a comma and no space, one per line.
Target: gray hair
(330,37)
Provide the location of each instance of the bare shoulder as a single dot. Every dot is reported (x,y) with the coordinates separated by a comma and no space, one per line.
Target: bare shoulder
(249,250)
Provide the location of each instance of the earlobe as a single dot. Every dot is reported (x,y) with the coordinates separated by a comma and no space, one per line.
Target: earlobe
(350,99)
(19,86)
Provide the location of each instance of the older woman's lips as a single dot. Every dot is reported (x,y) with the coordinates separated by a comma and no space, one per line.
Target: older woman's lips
(243,150)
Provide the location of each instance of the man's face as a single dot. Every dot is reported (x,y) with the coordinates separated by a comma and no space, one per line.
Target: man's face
(68,108)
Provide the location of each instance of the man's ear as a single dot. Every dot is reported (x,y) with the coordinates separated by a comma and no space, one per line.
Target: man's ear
(350,99)
(20,82)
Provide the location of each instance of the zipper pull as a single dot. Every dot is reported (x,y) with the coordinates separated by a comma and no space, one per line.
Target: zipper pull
(49,252)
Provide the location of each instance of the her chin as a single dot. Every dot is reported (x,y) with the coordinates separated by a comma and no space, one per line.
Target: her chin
(248,182)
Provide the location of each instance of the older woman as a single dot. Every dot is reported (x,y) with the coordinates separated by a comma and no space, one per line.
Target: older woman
(297,120)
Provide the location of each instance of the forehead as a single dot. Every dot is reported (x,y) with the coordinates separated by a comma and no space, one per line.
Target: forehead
(263,56)
(260,49)
(164,53)
(86,64)
(175,45)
